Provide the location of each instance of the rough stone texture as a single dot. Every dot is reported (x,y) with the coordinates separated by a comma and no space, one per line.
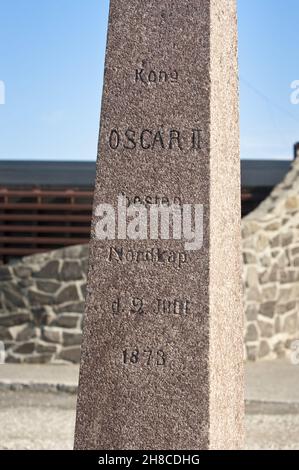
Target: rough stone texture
(271,288)
(270,274)
(39,318)
(193,398)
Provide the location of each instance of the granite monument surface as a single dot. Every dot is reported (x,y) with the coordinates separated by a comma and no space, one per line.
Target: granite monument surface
(162,353)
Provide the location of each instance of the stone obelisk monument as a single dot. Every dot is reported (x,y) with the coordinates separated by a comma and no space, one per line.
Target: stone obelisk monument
(162,356)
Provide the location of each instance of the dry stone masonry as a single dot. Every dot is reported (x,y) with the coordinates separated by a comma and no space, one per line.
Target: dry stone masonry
(271,271)
(41,306)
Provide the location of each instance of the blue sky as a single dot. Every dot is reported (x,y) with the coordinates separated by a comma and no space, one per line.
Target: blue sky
(52,57)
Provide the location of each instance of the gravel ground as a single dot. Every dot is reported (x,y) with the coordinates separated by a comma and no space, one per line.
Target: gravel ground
(36,420)
(39,420)
(272,432)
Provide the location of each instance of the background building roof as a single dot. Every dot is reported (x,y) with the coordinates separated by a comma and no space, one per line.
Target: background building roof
(255,173)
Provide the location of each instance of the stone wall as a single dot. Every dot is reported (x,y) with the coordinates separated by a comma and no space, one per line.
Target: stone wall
(41,306)
(271,271)
(42,296)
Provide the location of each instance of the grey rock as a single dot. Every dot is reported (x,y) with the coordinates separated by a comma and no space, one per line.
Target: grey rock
(12,296)
(50,287)
(254,294)
(266,261)
(68,294)
(84,251)
(22,271)
(286,239)
(38,358)
(13,359)
(72,252)
(266,329)
(285,293)
(289,276)
(268,309)
(38,298)
(275,241)
(67,320)
(83,289)
(24,283)
(269,275)
(84,265)
(52,335)
(71,271)
(28,332)
(275,253)
(72,338)
(73,307)
(43,347)
(252,352)
(280,309)
(39,315)
(49,271)
(25,348)
(295,251)
(251,312)
(273,226)
(290,324)
(277,325)
(5,334)
(42,315)
(264,276)
(5,273)
(279,348)
(17,318)
(71,354)
(252,333)
(269,292)
(264,349)
(274,273)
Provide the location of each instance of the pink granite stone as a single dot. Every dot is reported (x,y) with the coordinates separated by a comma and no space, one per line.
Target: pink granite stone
(162,358)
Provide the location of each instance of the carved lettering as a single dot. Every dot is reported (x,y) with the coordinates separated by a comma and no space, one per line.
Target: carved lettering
(155,76)
(114,139)
(146,356)
(137,306)
(130,144)
(149,200)
(153,255)
(155,139)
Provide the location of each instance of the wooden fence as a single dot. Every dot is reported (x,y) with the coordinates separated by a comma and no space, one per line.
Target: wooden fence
(38,220)
(35,220)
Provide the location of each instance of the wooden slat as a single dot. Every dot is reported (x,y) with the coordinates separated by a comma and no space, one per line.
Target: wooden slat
(246,197)
(23,251)
(43,229)
(42,240)
(46,217)
(53,222)
(45,193)
(49,207)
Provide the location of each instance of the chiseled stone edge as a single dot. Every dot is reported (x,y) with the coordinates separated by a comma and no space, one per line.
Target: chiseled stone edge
(226,377)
